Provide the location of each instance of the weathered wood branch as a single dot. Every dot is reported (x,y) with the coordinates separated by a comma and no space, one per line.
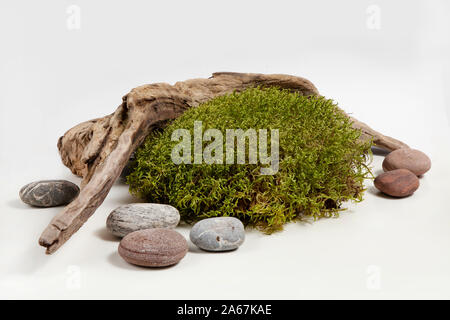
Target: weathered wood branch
(99,149)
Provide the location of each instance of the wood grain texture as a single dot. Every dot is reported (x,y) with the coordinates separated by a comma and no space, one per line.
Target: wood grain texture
(98,150)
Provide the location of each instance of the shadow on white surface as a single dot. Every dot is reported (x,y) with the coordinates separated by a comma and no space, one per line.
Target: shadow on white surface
(117,261)
(122,196)
(377,172)
(194,249)
(103,234)
(374,191)
(17,204)
(30,262)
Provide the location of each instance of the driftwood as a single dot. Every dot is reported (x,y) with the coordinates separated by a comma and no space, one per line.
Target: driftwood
(99,149)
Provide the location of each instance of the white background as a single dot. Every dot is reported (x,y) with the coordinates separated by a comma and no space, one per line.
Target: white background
(395,78)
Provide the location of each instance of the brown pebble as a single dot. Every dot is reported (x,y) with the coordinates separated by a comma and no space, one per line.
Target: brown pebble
(156,247)
(397,183)
(414,160)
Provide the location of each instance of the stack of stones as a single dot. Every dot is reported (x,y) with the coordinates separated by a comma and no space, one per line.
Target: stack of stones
(149,238)
(402,168)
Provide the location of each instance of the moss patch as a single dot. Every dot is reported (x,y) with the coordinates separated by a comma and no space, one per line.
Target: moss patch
(322,162)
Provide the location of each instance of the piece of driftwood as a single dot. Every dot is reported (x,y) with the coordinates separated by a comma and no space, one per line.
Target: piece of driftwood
(99,149)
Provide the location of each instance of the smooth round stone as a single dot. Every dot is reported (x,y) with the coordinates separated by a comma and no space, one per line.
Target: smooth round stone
(218,234)
(138,216)
(49,193)
(397,183)
(414,160)
(153,247)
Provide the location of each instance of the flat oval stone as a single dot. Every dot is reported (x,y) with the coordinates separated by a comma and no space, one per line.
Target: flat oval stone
(218,234)
(153,247)
(49,193)
(414,160)
(138,216)
(397,183)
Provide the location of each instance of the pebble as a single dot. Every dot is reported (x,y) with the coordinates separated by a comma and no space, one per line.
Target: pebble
(153,247)
(138,216)
(397,183)
(414,160)
(218,234)
(49,193)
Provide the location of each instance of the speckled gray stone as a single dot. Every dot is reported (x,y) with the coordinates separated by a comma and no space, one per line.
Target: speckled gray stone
(153,247)
(138,216)
(49,193)
(218,234)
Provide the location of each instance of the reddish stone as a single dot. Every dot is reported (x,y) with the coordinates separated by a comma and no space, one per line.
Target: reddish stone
(397,183)
(153,247)
(414,160)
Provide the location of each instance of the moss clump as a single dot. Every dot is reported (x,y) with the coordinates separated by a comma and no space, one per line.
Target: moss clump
(322,162)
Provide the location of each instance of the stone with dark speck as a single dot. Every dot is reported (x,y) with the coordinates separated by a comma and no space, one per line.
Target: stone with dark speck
(153,247)
(138,216)
(49,193)
(218,234)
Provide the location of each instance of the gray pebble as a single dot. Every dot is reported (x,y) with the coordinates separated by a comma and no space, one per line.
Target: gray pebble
(49,193)
(138,216)
(218,234)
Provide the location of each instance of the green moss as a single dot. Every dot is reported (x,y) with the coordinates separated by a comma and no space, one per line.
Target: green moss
(322,162)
